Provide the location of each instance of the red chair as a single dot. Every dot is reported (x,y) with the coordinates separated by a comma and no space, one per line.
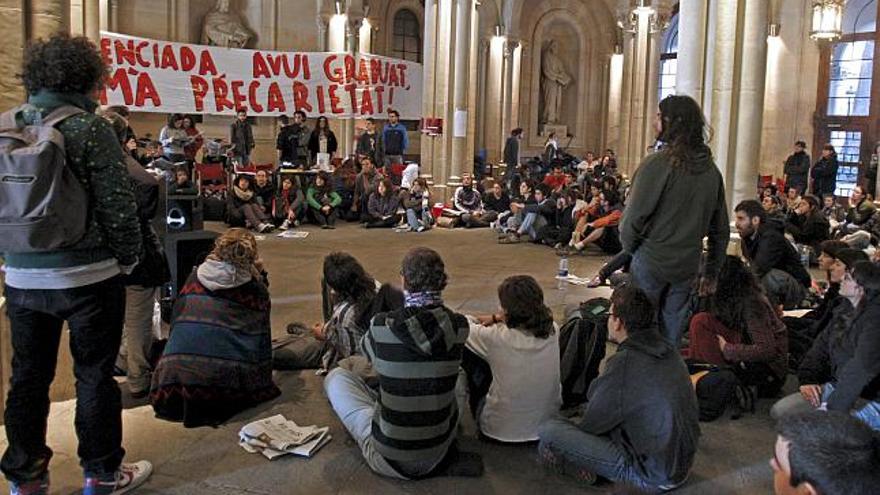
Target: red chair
(211,177)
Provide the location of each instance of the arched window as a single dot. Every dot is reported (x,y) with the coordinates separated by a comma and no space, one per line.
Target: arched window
(668,60)
(847,104)
(407,36)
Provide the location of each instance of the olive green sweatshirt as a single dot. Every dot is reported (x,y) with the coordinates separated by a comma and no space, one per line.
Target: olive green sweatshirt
(670,210)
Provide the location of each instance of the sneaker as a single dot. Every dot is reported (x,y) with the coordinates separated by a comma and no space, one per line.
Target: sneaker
(35,487)
(421,228)
(285,225)
(296,223)
(125,479)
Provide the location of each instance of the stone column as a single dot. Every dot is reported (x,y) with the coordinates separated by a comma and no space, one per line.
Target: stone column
(723,116)
(692,16)
(13,23)
(750,117)
(429,62)
(626,104)
(460,90)
(652,85)
(92,17)
(353,29)
(47,17)
(506,91)
(322,22)
(444,74)
(641,57)
(482,103)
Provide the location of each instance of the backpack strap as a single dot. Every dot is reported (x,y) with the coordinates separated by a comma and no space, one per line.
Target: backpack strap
(60,114)
(10,119)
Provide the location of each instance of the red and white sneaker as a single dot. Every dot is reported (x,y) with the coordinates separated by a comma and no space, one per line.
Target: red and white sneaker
(128,477)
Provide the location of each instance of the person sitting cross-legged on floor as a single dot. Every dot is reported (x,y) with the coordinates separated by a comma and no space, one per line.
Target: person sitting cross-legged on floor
(841,371)
(352,292)
(242,207)
(383,205)
(512,364)
(290,204)
(535,216)
(825,453)
(218,360)
(407,427)
(323,200)
(468,201)
(640,424)
(603,232)
(743,330)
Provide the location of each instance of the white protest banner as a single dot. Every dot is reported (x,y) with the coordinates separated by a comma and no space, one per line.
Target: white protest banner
(159,76)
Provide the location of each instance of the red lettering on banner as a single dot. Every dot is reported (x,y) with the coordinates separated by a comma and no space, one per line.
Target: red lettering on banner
(168,58)
(391,97)
(146,91)
(275,64)
(321,99)
(375,71)
(187,59)
(334,99)
(366,103)
(363,75)
(300,97)
(276,99)
(294,72)
(252,96)
(402,69)
(352,94)
(335,75)
(206,64)
(200,90)
(105,51)
(221,94)
(119,80)
(349,68)
(156,54)
(307,71)
(138,55)
(238,98)
(124,52)
(379,91)
(260,68)
(392,75)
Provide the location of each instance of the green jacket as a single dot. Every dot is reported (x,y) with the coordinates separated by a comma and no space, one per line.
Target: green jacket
(312,196)
(96,158)
(670,210)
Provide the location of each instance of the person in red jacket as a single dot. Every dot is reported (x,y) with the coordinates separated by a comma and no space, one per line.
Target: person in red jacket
(603,231)
(557,180)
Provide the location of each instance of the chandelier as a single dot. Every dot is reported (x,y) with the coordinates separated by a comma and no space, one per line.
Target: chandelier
(827,19)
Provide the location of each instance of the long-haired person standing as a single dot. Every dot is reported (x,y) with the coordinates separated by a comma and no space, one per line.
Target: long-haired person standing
(677,198)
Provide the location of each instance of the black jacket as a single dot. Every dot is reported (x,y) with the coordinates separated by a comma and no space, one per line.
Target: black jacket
(808,229)
(797,167)
(845,354)
(293,143)
(264,196)
(511,152)
(369,145)
(498,205)
(546,209)
(315,143)
(644,402)
(825,176)
(152,269)
(767,249)
(241,134)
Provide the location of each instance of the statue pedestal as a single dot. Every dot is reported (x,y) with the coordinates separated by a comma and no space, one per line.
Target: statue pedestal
(560,130)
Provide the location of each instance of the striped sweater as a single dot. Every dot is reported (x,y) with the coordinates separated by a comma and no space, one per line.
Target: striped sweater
(416,352)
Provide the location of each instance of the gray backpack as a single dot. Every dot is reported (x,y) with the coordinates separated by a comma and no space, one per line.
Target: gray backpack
(43,206)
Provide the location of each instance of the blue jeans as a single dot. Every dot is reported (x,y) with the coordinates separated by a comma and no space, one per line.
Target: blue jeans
(867,411)
(530,225)
(94,316)
(590,453)
(415,219)
(671,300)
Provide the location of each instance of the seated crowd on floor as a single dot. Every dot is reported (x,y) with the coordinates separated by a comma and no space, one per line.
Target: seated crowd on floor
(401,367)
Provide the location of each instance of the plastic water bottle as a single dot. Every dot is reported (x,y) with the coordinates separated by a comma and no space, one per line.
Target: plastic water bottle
(804,251)
(562,274)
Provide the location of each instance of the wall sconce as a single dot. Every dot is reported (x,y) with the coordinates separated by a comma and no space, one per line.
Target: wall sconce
(827,20)
(773,30)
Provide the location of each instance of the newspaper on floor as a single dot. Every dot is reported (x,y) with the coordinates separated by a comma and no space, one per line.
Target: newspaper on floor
(293,234)
(277,436)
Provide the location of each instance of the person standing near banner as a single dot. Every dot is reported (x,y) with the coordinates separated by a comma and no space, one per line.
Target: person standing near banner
(241,135)
(395,141)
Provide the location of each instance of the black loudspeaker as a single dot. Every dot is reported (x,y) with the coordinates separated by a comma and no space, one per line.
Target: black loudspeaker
(186,251)
(183,213)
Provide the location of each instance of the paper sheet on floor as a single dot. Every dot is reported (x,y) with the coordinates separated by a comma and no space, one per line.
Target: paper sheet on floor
(293,234)
(277,436)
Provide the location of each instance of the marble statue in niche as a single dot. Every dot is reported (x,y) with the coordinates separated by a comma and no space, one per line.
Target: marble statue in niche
(554,79)
(224,28)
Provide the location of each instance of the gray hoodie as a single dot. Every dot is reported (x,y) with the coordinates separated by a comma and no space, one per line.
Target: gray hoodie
(670,210)
(218,275)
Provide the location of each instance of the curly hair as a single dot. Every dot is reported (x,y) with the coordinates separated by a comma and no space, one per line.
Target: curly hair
(423,270)
(63,65)
(523,302)
(738,293)
(684,130)
(238,247)
(348,279)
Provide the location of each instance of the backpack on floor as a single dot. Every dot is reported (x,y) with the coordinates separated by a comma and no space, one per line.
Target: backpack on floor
(44,206)
(719,388)
(582,348)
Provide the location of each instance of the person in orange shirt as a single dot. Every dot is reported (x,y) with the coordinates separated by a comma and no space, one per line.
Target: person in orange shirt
(603,231)
(557,180)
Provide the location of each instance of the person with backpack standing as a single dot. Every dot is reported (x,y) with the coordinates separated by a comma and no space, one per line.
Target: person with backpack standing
(677,198)
(74,274)
(395,141)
